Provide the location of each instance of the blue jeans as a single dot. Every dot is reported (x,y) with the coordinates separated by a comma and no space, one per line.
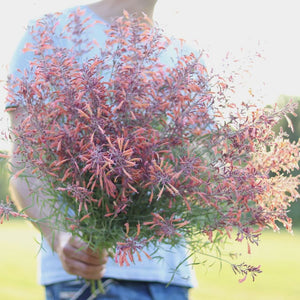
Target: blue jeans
(116,290)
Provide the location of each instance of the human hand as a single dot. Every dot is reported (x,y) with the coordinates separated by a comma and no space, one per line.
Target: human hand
(78,259)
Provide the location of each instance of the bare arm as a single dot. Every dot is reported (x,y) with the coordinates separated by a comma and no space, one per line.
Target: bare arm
(83,262)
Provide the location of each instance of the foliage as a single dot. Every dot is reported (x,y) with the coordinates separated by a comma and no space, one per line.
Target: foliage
(7,208)
(3,176)
(294,134)
(130,151)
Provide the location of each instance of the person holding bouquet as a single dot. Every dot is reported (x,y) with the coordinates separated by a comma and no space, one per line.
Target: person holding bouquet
(64,259)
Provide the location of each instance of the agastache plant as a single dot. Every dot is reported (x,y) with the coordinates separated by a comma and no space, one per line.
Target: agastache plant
(131,151)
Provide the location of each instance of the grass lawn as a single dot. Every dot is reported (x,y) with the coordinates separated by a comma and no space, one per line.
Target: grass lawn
(279,257)
(278,254)
(18,262)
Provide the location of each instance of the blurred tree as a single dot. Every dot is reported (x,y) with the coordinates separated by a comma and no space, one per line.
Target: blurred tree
(4,177)
(293,136)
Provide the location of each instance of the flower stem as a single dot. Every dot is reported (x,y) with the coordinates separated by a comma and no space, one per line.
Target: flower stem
(96,287)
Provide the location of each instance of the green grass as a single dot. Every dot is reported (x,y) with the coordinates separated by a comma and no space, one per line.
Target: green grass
(278,254)
(18,262)
(279,257)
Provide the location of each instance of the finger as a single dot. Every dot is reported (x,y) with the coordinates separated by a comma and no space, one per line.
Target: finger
(102,273)
(101,255)
(81,269)
(104,257)
(79,255)
(97,253)
(79,244)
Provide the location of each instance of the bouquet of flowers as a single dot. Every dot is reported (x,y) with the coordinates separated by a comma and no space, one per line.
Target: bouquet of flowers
(130,151)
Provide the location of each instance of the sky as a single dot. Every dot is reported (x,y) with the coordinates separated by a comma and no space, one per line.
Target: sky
(272,26)
(237,26)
